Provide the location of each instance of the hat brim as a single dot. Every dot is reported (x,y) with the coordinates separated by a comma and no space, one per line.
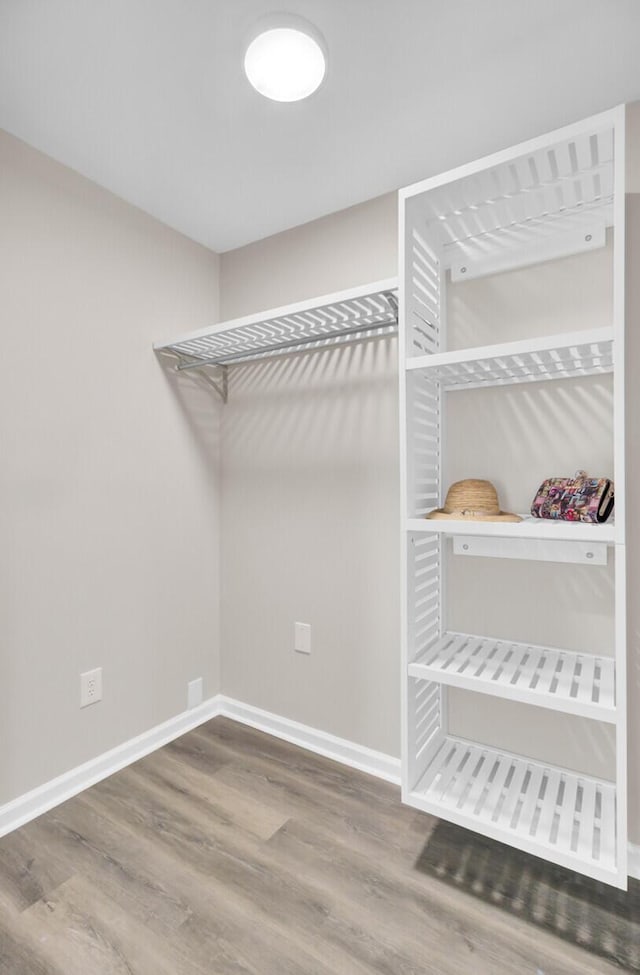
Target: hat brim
(440,513)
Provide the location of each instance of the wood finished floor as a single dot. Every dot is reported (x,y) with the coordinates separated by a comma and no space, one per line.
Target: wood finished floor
(229,852)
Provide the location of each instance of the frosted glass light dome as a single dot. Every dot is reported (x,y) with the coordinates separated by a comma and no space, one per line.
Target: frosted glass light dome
(285,64)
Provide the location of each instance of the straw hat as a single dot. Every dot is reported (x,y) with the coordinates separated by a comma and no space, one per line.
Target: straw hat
(472,500)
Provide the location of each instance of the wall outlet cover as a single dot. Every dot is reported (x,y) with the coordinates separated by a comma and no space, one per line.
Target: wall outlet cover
(90,687)
(302,637)
(195,692)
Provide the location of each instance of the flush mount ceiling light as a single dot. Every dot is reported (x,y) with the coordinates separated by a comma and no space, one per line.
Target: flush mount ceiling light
(286,60)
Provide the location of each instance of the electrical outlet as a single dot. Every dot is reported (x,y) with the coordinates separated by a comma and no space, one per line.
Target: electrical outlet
(194,692)
(302,637)
(90,687)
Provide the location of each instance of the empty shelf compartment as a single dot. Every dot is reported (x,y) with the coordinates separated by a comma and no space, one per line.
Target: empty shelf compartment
(553,813)
(575,683)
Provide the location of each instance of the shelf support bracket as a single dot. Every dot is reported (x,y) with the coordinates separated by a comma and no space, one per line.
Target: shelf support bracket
(221,386)
(220,383)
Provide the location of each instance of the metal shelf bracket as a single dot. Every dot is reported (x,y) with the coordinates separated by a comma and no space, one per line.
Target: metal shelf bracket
(220,383)
(222,386)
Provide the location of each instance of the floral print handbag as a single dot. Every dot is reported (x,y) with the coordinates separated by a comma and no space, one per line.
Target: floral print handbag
(579,498)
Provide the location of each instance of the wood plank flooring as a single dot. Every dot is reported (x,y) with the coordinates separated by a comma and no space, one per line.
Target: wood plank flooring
(229,852)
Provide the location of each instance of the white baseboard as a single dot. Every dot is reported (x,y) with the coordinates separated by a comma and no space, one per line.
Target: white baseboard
(339,749)
(32,804)
(38,801)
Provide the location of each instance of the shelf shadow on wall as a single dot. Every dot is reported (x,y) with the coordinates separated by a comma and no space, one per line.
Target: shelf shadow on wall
(589,914)
(201,409)
(328,410)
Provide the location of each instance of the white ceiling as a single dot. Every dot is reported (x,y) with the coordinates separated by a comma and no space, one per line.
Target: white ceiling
(148,97)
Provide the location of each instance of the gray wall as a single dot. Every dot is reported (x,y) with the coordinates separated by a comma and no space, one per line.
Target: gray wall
(109,514)
(310,493)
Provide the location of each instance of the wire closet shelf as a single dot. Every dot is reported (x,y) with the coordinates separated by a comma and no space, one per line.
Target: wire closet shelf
(349,316)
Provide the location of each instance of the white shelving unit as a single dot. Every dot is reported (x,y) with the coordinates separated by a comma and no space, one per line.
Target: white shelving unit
(554,197)
(355,315)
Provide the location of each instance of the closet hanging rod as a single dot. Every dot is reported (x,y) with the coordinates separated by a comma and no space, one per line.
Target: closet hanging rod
(323,341)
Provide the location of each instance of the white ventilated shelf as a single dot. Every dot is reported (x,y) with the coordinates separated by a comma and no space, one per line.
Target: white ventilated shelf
(575,683)
(534,528)
(562,356)
(548,201)
(330,320)
(553,813)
